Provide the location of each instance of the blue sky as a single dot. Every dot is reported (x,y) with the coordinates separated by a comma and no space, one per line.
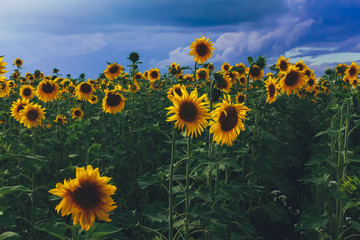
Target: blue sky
(82,36)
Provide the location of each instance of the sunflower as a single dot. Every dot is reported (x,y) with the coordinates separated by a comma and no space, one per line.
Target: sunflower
(256,72)
(27,92)
(146,75)
(31,115)
(16,75)
(47,90)
(201,49)
(271,89)
(309,73)
(223,82)
(138,76)
(113,102)
(242,69)
(84,91)
(283,64)
(2,66)
(154,74)
(77,113)
(352,71)
(86,197)
(300,66)
(4,87)
(188,77)
(134,87)
(18,62)
(240,98)
(94,99)
(113,71)
(242,80)
(210,67)
(311,84)
(189,111)
(60,119)
(227,122)
(292,80)
(175,89)
(225,67)
(341,68)
(355,82)
(233,76)
(17,106)
(202,74)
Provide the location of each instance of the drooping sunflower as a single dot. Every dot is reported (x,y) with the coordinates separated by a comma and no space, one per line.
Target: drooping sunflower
(175,89)
(240,97)
(355,82)
(113,71)
(27,92)
(154,74)
(283,64)
(47,90)
(77,113)
(271,89)
(311,84)
(4,87)
(2,66)
(16,75)
(201,49)
(242,80)
(223,82)
(292,81)
(113,102)
(341,68)
(188,77)
(86,197)
(60,119)
(138,76)
(32,115)
(210,67)
(18,62)
(227,122)
(256,73)
(225,67)
(84,91)
(94,99)
(233,76)
(241,68)
(189,112)
(352,71)
(134,87)
(17,106)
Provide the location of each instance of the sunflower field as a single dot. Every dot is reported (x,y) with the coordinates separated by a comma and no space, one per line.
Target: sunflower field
(244,151)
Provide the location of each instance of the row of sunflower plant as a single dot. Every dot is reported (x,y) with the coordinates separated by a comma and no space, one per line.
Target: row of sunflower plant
(193,153)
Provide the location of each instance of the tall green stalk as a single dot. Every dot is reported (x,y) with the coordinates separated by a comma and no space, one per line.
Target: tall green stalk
(187,201)
(171,196)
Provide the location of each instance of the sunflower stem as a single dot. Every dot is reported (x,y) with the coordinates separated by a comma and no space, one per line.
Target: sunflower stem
(210,151)
(171,197)
(187,202)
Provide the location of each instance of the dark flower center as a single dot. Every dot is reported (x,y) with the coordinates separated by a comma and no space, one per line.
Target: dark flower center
(283,66)
(20,107)
(86,196)
(188,111)
(243,80)
(32,115)
(229,121)
(202,75)
(202,49)
(27,92)
(352,71)
(226,67)
(114,69)
(291,78)
(154,74)
(271,90)
(113,100)
(178,91)
(300,66)
(60,120)
(255,71)
(48,87)
(18,62)
(311,82)
(93,98)
(138,76)
(85,88)
(241,98)
(77,113)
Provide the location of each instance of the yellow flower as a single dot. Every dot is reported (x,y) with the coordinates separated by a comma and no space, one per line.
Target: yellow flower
(77,113)
(154,74)
(352,71)
(292,80)
(60,119)
(189,112)
(201,49)
(113,102)
(227,122)
(84,91)
(17,107)
(113,71)
(86,197)
(225,67)
(27,92)
(283,64)
(31,115)
(47,90)
(18,62)
(256,73)
(2,66)
(4,87)
(271,90)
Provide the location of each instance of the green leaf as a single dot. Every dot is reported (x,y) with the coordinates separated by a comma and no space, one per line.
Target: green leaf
(56,230)
(147,180)
(11,189)
(331,131)
(156,212)
(9,236)
(312,218)
(100,230)
(250,60)
(94,148)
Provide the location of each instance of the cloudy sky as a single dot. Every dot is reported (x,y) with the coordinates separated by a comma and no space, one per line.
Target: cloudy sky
(82,36)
